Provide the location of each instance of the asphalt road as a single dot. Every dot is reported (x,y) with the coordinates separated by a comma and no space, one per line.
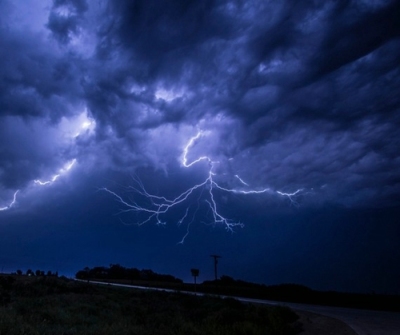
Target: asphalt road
(363,322)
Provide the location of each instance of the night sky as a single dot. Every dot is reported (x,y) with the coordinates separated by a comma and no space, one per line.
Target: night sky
(153,134)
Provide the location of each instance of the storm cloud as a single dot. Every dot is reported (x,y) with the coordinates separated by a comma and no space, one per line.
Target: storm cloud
(289,96)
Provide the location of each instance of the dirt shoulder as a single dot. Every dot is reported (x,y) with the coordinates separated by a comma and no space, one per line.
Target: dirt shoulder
(315,324)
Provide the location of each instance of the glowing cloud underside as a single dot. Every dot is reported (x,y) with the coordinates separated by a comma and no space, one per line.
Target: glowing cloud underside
(157,206)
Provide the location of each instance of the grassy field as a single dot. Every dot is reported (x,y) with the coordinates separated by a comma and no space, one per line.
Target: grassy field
(61,306)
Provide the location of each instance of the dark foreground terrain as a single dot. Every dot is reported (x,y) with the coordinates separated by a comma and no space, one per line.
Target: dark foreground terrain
(50,305)
(231,287)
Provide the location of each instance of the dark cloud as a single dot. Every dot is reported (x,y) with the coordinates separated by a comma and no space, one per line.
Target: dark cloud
(156,33)
(65,18)
(355,33)
(289,80)
(35,81)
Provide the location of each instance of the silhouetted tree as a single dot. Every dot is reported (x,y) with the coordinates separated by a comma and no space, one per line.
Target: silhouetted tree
(227,280)
(116,271)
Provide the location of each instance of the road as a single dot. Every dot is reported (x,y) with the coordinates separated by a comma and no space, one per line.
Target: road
(363,322)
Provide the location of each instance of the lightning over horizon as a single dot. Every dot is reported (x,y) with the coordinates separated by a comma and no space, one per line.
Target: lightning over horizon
(160,205)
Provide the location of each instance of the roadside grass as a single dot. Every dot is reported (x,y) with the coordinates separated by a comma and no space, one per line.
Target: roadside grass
(61,306)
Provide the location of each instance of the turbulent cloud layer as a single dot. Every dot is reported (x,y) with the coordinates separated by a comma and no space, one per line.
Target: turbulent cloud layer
(291,95)
(298,101)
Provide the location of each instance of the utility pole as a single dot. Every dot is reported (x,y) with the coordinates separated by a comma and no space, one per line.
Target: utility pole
(195,273)
(215,265)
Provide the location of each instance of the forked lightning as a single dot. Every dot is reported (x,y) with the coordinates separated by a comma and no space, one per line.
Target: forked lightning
(157,206)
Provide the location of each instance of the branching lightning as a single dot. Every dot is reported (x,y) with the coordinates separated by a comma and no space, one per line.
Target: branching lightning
(157,206)
(291,195)
(12,203)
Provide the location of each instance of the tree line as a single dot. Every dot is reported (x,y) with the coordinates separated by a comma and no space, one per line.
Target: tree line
(37,273)
(116,271)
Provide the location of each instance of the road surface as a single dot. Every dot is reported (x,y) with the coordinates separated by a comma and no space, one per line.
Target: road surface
(363,322)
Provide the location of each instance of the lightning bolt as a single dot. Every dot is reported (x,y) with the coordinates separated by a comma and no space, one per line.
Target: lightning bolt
(12,203)
(62,171)
(47,182)
(157,206)
(68,166)
(291,196)
(241,180)
(87,125)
